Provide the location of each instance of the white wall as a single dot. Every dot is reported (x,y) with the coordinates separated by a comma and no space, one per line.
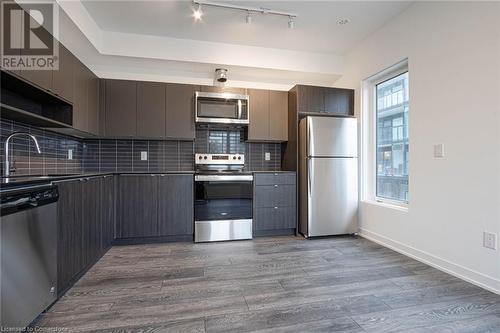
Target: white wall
(453,50)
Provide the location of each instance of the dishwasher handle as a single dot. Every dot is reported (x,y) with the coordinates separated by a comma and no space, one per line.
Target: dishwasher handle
(11,204)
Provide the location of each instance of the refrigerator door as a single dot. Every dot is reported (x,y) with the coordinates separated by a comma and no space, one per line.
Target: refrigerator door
(329,136)
(332,196)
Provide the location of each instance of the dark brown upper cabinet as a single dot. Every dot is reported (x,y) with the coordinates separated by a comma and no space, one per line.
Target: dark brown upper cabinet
(232,90)
(150,109)
(258,129)
(121,108)
(80,84)
(92,103)
(335,101)
(62,78)
(278,115)
(268,115)
(180,111)
(339,101)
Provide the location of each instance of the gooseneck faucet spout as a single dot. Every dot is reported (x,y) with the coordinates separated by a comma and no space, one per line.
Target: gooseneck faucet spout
(7,142)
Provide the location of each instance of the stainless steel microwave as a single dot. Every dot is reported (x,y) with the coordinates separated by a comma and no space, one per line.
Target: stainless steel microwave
(222,108)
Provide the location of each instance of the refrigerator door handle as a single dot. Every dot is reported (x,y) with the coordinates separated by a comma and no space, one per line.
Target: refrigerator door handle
(309,183)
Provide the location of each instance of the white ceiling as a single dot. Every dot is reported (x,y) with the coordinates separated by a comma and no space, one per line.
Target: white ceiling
(159,40)
(316,29)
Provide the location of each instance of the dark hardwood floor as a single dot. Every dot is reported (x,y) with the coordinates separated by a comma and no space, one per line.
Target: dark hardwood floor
(280,284)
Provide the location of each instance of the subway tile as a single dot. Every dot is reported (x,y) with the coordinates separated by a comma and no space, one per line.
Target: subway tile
(107,155)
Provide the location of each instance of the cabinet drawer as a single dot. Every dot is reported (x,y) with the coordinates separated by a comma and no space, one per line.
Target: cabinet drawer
(275,178)
(275,195)
(275,218)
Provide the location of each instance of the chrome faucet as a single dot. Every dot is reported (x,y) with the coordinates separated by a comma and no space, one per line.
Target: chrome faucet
(7,162)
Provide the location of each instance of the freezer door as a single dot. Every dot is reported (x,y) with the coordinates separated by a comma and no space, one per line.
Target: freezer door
(332,137)
(332,196)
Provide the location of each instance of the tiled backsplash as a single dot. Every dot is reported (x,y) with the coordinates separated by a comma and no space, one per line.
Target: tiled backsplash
(103,155)
(125,155)
(232,141)
(54,147)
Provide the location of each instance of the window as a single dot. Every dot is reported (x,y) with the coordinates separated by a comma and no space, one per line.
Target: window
(391,116)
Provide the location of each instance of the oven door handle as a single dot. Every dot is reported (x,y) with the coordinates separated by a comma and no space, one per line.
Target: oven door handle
(225,178)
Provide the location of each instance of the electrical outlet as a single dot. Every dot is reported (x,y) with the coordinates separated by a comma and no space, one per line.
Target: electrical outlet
(144,155)
(490,240)
(267,156)
(439,150)
(70,154)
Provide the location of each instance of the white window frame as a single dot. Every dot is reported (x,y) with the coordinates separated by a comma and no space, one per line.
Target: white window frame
(369,138)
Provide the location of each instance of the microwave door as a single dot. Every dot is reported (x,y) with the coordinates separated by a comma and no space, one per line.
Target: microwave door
(221,108)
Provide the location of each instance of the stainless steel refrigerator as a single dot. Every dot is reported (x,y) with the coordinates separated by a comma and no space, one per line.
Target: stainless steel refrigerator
(328,176)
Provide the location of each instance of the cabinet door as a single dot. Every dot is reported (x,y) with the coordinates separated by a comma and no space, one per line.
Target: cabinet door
(91,229)
(107,212)
(62,78)
(80,79)
(278,115)
(275,218)
(310,99)
(258,129)
(69,233)
(121,107)
(138,206)
(339,101)
(92,103)
(180,111)
(275,196)
(151,109)
(175,213)
(41,78)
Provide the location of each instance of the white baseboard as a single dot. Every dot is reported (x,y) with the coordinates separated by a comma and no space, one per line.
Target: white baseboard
(479,279)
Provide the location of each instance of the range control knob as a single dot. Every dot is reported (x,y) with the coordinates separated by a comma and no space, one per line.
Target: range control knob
(234,157)
(200,157)
(205,157)
(239,157)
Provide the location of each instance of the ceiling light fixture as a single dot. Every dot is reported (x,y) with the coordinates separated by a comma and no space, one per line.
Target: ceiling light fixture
(197,14)
(342,21)
(250,10)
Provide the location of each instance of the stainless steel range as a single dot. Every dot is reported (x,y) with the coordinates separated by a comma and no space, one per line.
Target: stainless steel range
(223,198)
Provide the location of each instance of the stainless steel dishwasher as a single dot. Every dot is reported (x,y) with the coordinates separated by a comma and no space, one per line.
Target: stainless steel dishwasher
(28,250)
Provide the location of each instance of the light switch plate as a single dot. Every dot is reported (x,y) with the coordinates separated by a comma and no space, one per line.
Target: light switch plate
(144,155)
(70,154)
(439,150)
(490,240)
(267,156)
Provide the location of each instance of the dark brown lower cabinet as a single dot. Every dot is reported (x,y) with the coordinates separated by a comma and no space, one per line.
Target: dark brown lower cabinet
(138,206)
(108,214)
(155,207)
(175,209)
(85,226)
(69,233)
(91,197)
(275,204)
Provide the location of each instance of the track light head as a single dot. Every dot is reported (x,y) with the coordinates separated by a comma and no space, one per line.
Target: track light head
(249,18)
(291,23)
(198,13)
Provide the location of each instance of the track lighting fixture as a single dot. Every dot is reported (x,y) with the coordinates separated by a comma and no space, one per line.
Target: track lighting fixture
(197,14)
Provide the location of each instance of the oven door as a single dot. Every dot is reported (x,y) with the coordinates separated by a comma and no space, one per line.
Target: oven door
(221,108)
(223,207)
